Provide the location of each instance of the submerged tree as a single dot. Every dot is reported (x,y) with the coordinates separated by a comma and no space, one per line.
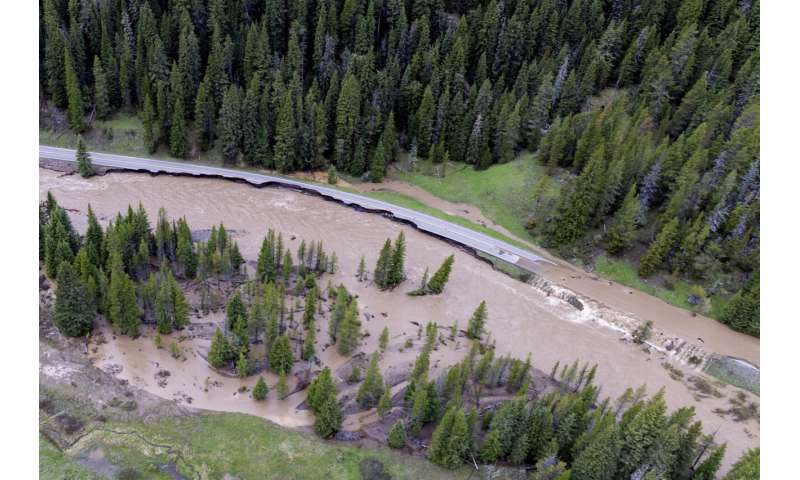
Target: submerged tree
(477,321)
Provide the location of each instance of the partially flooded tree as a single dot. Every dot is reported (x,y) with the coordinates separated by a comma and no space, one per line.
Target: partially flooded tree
(477,322)
(371,389)
(85,167)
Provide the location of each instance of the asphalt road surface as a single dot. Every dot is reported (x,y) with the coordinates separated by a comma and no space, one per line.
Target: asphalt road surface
(456,233)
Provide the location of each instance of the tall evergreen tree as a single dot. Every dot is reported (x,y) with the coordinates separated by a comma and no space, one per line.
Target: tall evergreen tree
(281,357)
(75,108)
(439,280)
(621,234)
(657,253)
(371,389)
(178,142)
(220,352)
(381,273)
(450,441)
(83,159)
(349,330)
(123,312)
(230,124)
(347,112)
(477,321)
(172,309)
(396,272)
(74,308)
(102,103)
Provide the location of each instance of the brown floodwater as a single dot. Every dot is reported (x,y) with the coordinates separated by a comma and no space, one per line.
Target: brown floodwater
(522,319)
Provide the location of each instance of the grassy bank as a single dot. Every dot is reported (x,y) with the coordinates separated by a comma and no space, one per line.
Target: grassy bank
(624,272)
(414,204)
(54,464)
(211,445)
(504,193)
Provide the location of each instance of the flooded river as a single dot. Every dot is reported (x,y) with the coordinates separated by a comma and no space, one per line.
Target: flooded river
(522,319)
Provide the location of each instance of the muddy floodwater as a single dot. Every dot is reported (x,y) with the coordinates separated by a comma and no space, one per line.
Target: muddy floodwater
(522,319)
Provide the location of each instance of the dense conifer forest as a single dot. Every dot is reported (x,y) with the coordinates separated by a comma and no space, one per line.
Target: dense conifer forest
(647,111)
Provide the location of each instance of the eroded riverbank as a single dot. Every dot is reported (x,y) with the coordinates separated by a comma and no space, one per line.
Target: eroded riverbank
(522,319)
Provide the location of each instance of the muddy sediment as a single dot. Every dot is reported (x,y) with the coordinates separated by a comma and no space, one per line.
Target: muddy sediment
(522,318)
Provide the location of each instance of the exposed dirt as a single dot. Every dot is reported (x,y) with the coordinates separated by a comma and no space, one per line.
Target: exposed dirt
(522,318)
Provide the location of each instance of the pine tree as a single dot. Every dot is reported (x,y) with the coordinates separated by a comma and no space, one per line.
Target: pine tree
(477,321)
(377,167)
(640,434)
(361,273)
(423,121)
(310,308)
(184,250)
(385,402)
(235,312)
(83,159)
(436,284)
(123,313)
(332,178)
(178,143)
(743,311)
(579,206)
(93,241)
(150,123)
(383,340)
(281,358)
(102,103)
(339,311)
(309,348)
(282,387)
(450,440)
(242,365)
(322,401)
(285,136)
(172,309)
(59,241)
(349,330)
(656,254)
(491,449)
(53,43)
(347,112)
(621,234)
(747,467)
(75,107)
(260,391)
(599,459)
(397,435)
(708,469)
(381,273)
(396,272)
(220,352)
(205,110)
(371,389)
(230,124)
(74,306)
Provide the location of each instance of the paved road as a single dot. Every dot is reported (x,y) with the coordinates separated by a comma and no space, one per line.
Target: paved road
(443,228)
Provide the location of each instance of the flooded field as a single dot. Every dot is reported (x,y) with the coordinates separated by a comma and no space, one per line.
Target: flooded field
(522,319)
